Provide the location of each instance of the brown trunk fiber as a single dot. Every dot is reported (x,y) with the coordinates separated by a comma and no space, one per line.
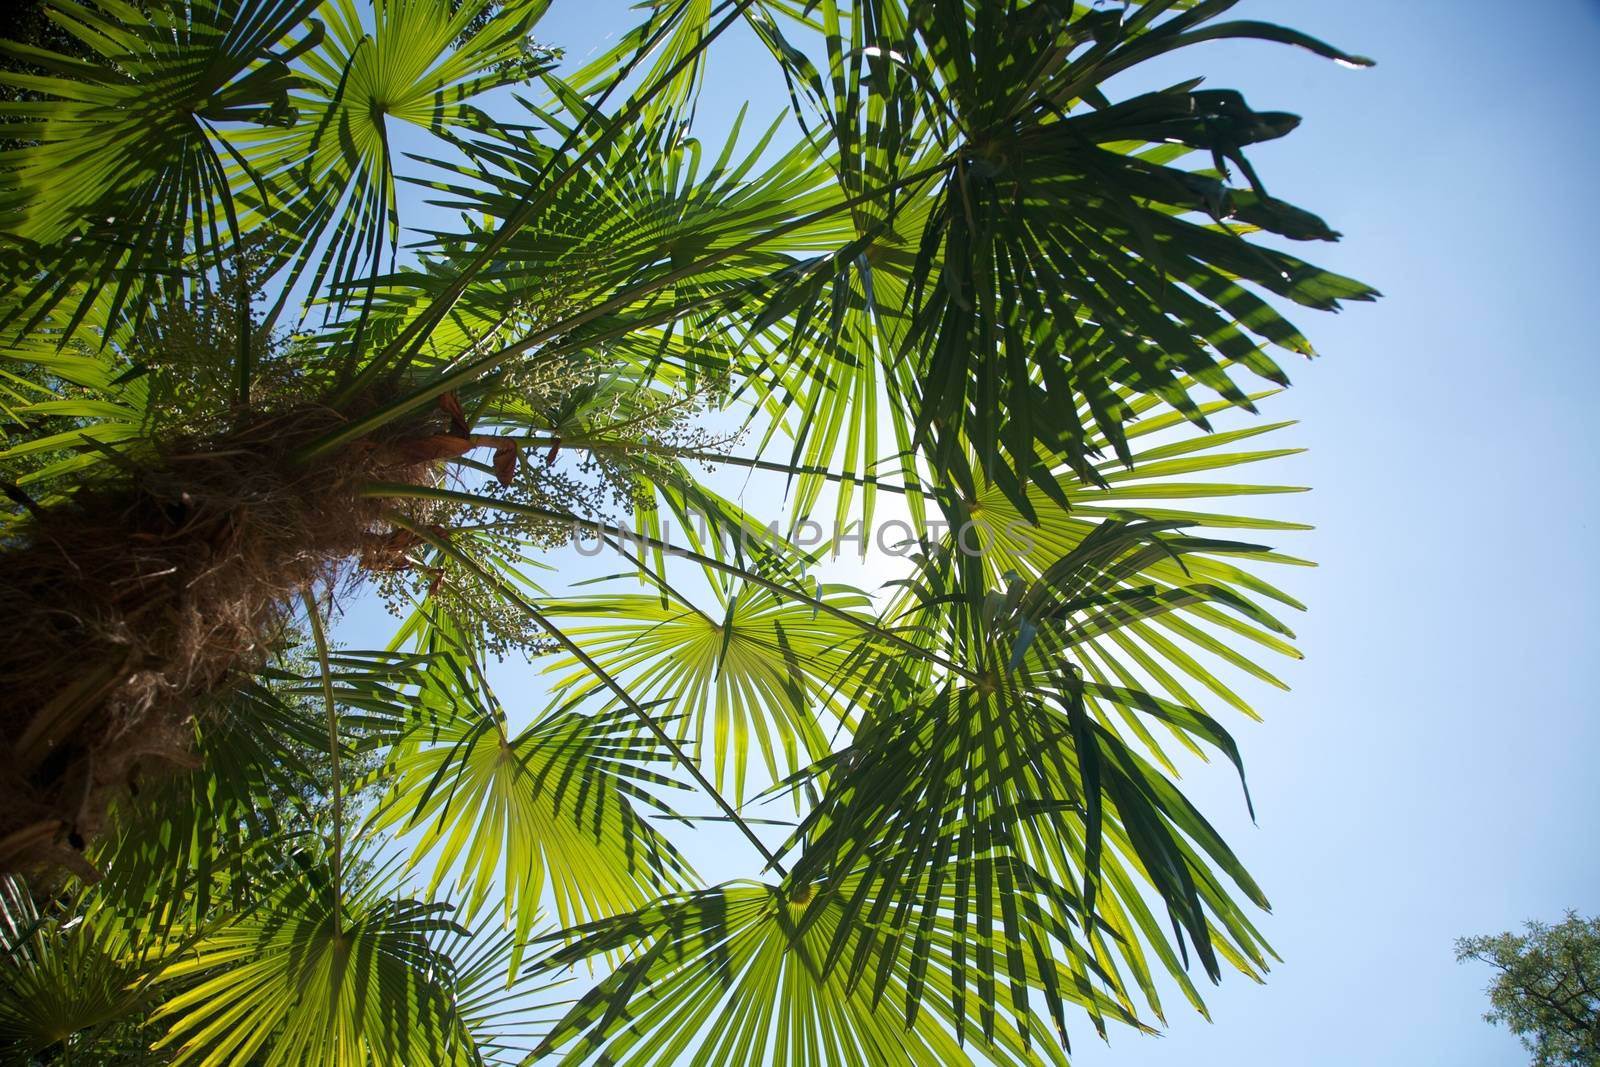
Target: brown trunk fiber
(121,609)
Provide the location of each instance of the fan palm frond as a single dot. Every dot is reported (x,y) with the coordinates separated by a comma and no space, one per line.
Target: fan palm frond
(735,974)
(308,975)
(762,676)
(70,982)
(512,811)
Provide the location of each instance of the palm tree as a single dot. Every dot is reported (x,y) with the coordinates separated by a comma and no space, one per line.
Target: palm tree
(967,273)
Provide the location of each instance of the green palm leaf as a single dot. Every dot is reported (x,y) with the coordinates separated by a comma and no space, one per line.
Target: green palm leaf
(728,975)
(759,676)
(1057,253)
(299,978)
(1008,784)
(514,811)
(127,177)
(69,982)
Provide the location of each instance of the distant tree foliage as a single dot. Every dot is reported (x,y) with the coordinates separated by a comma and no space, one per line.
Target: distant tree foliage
(1547,989)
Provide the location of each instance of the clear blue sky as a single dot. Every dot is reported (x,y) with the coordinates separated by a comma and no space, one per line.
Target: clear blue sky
(1433,772)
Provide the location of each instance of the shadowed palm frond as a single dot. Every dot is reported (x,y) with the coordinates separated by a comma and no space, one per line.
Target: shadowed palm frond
(736,974)
(762,676)
(302,977)
(70,984)
(512,811)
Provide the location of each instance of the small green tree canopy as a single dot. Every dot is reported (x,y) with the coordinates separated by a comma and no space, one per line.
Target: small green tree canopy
(1547,990)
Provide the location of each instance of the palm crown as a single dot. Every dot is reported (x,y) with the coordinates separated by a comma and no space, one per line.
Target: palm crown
(965,273)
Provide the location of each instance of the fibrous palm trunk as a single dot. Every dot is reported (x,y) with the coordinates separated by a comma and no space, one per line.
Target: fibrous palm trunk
(124,606)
